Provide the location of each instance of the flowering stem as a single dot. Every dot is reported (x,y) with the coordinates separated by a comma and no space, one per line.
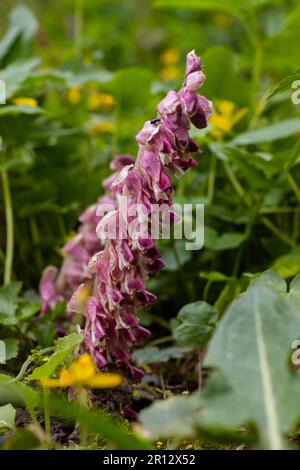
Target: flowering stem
(9,227)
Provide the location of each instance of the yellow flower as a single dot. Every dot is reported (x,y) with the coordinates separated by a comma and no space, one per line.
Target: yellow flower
(101,128)
(170,73)
(83,373)
(170,56)
(159,445)
(73,94)
(24,101)
(225,117)
(98,100)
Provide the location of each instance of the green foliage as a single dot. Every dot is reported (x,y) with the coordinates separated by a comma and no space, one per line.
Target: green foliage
(63,348)
(248,181)
(7,416)
(197,322)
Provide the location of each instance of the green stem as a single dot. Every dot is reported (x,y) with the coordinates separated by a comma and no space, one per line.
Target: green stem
(276,231)
(211,178)
(9,227)
(293,185)
(46,411)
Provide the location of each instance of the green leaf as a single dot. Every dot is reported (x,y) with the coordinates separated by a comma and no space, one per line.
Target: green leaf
(197,324)
(226,241)
(275,131)
(7,416)
(173,417)
(286,84)
(64,347)
(152,354)
(294,293)
(15,74)
(251,348)
(11,348)
(9,302)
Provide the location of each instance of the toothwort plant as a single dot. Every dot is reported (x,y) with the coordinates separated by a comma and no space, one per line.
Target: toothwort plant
(113,287)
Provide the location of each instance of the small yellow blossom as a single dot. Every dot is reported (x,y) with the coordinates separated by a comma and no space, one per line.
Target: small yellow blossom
(170,73)
(83,373)
(24,101)
(225,117)
(73,94)
(159,445)
(101,128)
(98,100)
(170,56)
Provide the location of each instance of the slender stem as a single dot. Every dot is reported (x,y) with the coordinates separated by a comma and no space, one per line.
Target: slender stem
(276,231)
(9,227)
(265,220)
(46,411)
(293,185)
(211,178)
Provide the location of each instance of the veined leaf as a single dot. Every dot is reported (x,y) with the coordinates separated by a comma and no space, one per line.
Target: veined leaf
(251,348)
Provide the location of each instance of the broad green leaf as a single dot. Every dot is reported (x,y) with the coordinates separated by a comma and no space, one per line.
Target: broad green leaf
(251,348)
(286,84)
(7,416)
(230,291)
(15,74)
(197,322)
(275,131)
(174,417)
(11,348)
(294,293)
(271,280)
(9,302)
(152,354)
(64,347)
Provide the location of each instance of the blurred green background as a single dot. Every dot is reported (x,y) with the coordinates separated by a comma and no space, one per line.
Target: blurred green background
(94,72)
